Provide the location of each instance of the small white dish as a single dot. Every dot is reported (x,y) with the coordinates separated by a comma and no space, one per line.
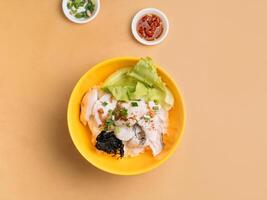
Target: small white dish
(80,21)
(139,15)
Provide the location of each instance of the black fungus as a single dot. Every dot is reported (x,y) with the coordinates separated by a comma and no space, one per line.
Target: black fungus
(141,135)
(107,142)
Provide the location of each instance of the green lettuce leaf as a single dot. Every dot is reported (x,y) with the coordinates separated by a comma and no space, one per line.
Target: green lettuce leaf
(120,92)
(139,82)
(145,71)
(120,78)
(140,92)
(119,84)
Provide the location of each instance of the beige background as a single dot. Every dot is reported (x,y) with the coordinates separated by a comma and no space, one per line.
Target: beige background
(216,51)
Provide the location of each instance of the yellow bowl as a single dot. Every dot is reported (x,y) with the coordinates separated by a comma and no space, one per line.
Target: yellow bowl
(81,135)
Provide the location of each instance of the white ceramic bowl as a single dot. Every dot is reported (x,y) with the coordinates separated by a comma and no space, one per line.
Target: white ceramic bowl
(157,12)
(80,21)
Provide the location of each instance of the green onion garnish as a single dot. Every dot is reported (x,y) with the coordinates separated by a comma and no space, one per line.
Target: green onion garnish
(124,112)
(134,104)
(155,108)
(104,103)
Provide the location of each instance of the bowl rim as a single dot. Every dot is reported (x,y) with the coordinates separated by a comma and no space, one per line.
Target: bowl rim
(142,12)
(75,20)
(116,172)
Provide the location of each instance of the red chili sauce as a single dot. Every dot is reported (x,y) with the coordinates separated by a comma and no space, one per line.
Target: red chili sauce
(150,27)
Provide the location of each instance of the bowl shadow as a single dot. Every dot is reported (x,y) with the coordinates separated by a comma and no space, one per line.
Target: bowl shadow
(63,150)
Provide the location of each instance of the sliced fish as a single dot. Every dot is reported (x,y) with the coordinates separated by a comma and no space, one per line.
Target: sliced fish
(87,104)
(124,133)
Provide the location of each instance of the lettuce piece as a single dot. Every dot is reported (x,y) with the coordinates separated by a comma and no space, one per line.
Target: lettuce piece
(140,92)
(169,99)
(145,71)
(155,94)
(165,98)
(120,78)
(119,84)
(119,92)
(139,82)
